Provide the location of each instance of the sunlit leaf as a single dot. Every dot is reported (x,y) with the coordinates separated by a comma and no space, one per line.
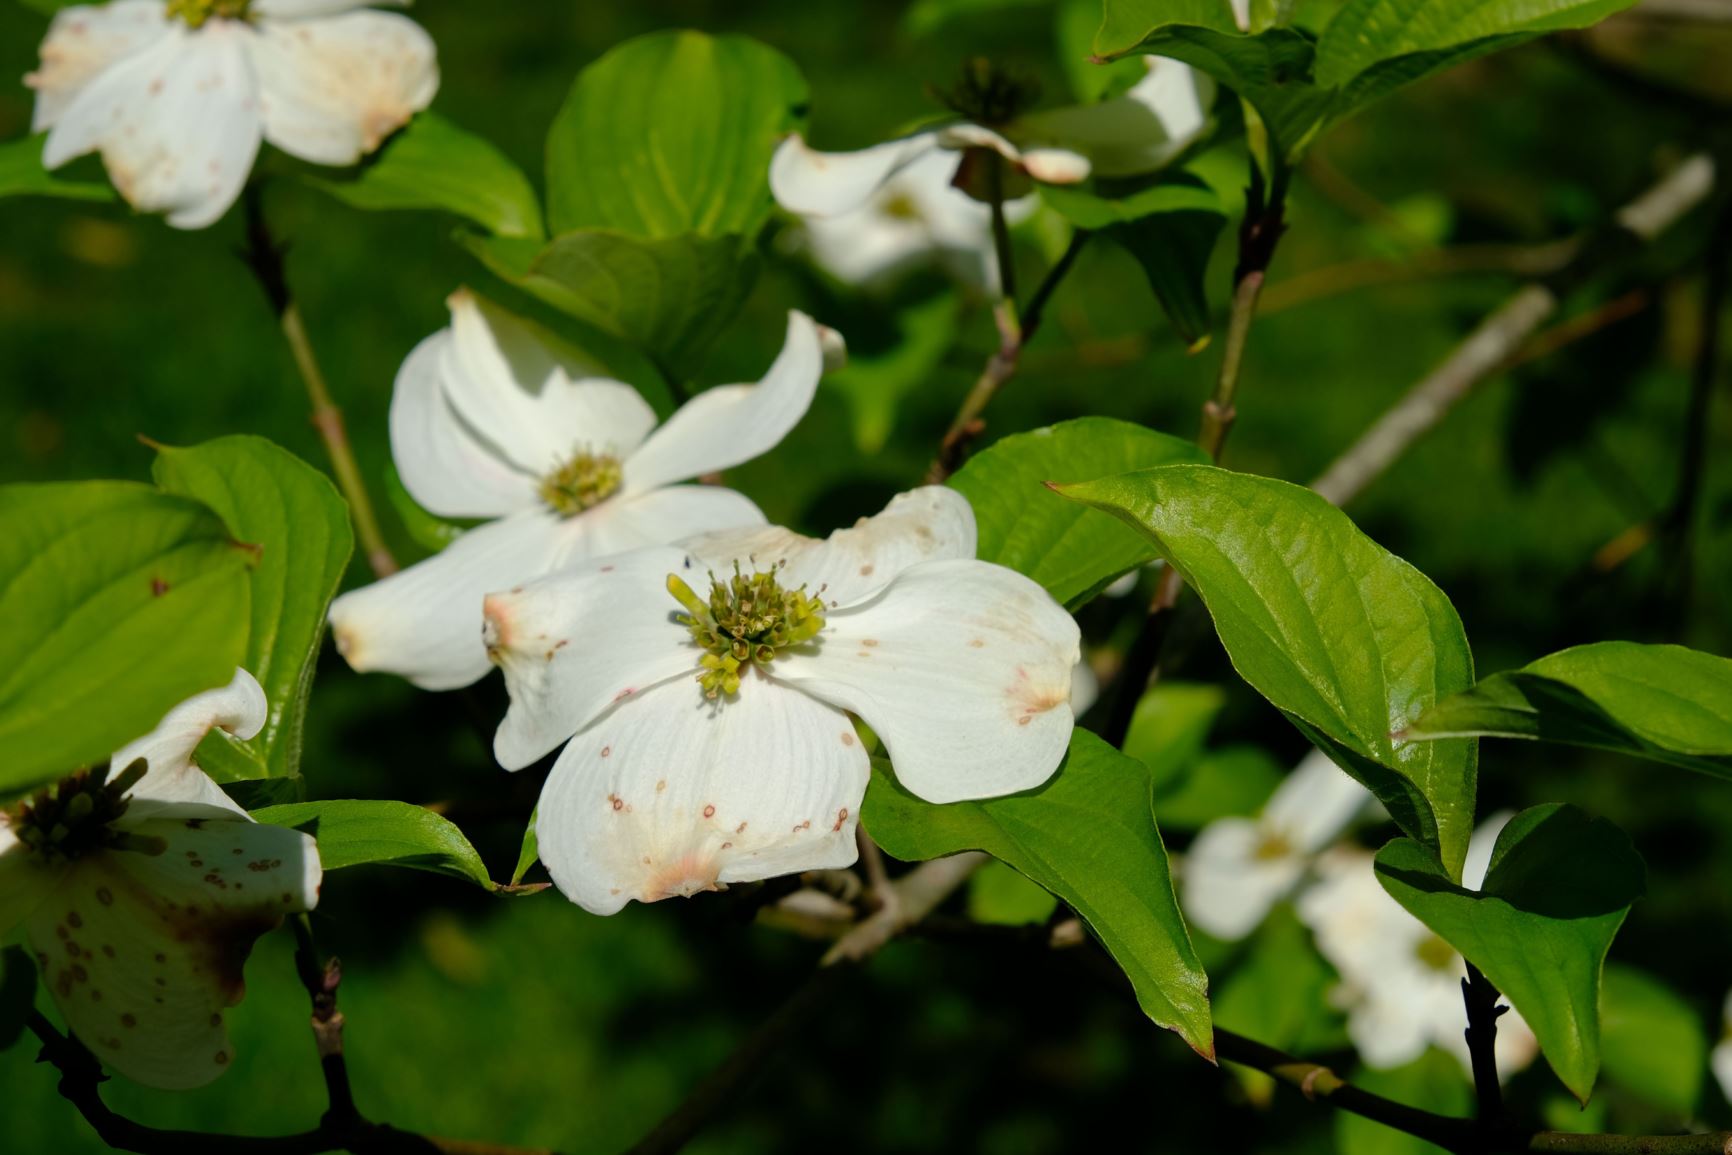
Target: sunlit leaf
(369,832)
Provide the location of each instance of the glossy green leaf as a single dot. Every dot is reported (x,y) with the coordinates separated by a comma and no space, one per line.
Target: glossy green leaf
(1665,703)
(117,602)
(1072,551)
(369,832)
(1089,837)
(527,854)
(22,174)
(17,993)
(1369,32)
(671,298)
(1559,887)
(1278,993)
(433,164)
(1348,640)
(1652,1041)
(300,524)
(671,134)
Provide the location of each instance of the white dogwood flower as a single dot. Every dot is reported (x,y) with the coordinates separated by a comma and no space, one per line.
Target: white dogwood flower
(1400,982)
(1239,868)
(915,217)
(141,888)
(492,418)
(1720,1060)
(177,94)
(1139,132)
(709,689)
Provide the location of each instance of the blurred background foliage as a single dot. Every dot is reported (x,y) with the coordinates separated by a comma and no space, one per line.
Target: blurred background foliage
(528,1021)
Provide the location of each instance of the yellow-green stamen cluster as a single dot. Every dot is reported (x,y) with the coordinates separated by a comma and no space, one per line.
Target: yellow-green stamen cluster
(72,819)
(1435,953)
(582,481)
(196,12)
(749,618)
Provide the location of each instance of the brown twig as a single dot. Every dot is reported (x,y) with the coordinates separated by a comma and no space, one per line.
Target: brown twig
(264,257)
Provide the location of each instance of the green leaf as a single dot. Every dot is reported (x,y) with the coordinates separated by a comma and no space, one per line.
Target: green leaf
(670,298)
(529,852)
(1169,728)
(366,832)
(300,524)
(1089,837)
(1558,889)
(22,174)
(1366,33)
(17,993)
(999,895)
(1072,551)
(671,134)
(117,602)
(1348,640)
(1653,1043)
(1125,24)
(433,164)
(1236,780)
(1279,992)
(1665,703)
(1170,228)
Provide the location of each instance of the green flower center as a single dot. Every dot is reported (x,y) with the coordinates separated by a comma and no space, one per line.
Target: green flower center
(583,480)
(70,820)
(749,618)
(1435,953)
(196,12)
(1273,845)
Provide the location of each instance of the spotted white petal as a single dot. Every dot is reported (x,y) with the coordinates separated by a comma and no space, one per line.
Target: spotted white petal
(1314,804)
(424,623)
(528,395)
(932,523)
(1138,132)
(673,795)
(1234,874)
(142,953)
(577,642)
(1721,1058)
(84,41)
(444,463)
(25,881)
(963,668)
(171,776)
(628,522)
(333,88)
(731,424)
(177,123)
(812,183)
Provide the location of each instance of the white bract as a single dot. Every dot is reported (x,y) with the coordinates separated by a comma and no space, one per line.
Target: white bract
(1239,868)
(714,745)
(915,216)
(1400,982)
(492,418)
(1139,132)
(177,95)
(1720,1060)
(141,888)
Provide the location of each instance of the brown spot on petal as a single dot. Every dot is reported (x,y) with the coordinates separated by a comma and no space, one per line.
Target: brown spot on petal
(869,643)
(866,570)
(606,750)
(618,802)
(847,738)
(841,817)
(216,1020)
(710,811)
(977,643)
(74,920)
(129,1020)
(222,1058)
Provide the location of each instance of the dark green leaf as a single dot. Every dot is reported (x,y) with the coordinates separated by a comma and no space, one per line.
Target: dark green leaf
(300,524)
(17,993)
(117,602)
(1072,551)
(1366,33)
(671,134)
(1087,836)
(1559,887)
(433,164)
(670,298)
(22,174)
(363,832)
(1652,1041)
(1665,703)
(1348,640)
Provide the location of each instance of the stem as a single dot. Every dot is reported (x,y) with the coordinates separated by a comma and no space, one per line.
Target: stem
(1218,411)
(264,256)
(1001,230)
(321,981)
(1483,1010)
(1014,332)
